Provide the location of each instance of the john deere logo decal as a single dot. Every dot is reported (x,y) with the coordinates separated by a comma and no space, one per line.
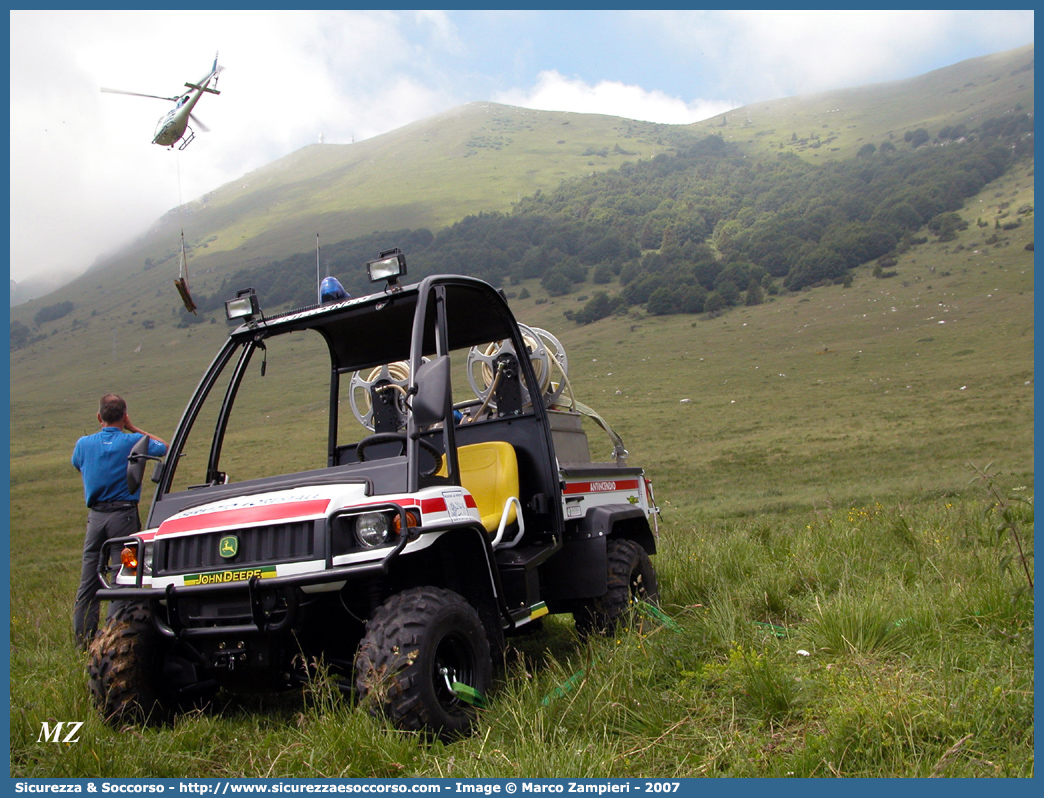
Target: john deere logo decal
(229,546)
(223,577)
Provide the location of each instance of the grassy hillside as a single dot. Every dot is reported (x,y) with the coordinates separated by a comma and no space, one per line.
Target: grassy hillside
(791,402)
(478,157)
(842,395)
(835,124)
(484,157)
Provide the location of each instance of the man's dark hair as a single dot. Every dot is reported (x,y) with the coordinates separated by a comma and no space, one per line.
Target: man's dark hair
(112,408)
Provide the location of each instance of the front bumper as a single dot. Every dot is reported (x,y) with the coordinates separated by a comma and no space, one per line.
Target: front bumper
(261,595)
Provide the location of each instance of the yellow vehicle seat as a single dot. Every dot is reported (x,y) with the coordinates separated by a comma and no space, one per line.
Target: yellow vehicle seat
(489,471)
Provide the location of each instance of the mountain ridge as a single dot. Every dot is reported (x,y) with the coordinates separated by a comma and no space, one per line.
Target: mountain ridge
(261,213)
(344,190)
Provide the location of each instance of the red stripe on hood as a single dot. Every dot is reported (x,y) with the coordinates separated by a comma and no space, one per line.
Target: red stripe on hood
(244,516)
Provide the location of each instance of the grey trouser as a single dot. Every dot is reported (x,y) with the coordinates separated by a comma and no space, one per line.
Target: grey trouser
(102,524)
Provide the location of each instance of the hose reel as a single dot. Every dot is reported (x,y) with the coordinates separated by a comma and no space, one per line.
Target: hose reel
(489,371)
(379,397)
(487,366)
(390,384)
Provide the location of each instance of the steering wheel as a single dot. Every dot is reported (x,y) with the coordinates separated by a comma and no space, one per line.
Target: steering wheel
(399,437)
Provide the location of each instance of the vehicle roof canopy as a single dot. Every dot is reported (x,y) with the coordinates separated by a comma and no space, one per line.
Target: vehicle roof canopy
(378,328)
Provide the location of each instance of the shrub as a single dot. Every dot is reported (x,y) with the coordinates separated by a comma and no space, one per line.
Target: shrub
(19,335)
(600,306)
(715,302)
(53,312)
(915,138)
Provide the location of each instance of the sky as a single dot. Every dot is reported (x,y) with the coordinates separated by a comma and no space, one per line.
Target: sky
(85,178)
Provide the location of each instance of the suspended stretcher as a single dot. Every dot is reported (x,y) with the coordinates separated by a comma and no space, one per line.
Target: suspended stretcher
(181,283)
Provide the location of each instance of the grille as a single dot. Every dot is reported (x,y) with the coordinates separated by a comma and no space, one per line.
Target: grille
(263,544)
(216,613)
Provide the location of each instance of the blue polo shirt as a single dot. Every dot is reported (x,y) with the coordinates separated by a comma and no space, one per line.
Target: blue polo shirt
(102,460)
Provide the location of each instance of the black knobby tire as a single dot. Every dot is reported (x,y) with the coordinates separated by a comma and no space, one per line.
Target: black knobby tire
(124,668)
(632,579)
(411,638)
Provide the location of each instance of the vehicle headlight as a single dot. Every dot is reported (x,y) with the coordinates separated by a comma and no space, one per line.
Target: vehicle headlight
(372,529)
(146,558)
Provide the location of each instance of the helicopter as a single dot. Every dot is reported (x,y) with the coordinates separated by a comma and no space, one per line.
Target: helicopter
(173,126)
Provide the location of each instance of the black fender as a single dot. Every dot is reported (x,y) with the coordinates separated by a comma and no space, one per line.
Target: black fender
(581,569)
(460,560)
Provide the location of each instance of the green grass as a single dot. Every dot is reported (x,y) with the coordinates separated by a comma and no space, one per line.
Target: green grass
(814,644)
(830,511)
(831,396)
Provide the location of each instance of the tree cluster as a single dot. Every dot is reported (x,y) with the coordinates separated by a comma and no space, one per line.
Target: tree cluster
(697,231)
(52,312)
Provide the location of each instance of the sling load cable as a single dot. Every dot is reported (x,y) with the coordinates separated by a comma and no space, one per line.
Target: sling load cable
(181,283)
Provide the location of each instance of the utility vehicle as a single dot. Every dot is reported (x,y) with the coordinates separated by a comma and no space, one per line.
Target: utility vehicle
(386,485)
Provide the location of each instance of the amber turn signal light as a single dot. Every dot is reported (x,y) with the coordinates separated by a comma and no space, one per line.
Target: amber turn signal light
(412,520)
(129,558)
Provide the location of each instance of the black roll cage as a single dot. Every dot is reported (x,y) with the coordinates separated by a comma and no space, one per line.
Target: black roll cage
(439,314)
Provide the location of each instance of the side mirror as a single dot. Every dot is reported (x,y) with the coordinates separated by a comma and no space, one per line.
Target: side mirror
(432,402)
(139,455)
(136,464)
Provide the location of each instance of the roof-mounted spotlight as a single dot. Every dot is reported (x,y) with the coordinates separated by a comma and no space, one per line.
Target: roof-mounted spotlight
(390,265)
(244,306)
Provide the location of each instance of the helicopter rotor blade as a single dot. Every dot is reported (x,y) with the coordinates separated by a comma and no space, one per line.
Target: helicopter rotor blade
(138,94)
(199,124)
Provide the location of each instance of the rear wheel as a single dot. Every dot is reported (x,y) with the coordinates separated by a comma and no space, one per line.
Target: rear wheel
(632,579)
(425,661)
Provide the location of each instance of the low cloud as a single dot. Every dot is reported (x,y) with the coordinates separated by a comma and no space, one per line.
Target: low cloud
(759,55)
(555,92)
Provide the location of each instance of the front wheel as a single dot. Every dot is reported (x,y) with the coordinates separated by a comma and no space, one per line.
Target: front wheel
(124,669)
(424,662)
(136,676)
(632,579)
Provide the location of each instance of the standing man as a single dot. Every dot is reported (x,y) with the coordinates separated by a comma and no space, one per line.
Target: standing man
(112,512)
